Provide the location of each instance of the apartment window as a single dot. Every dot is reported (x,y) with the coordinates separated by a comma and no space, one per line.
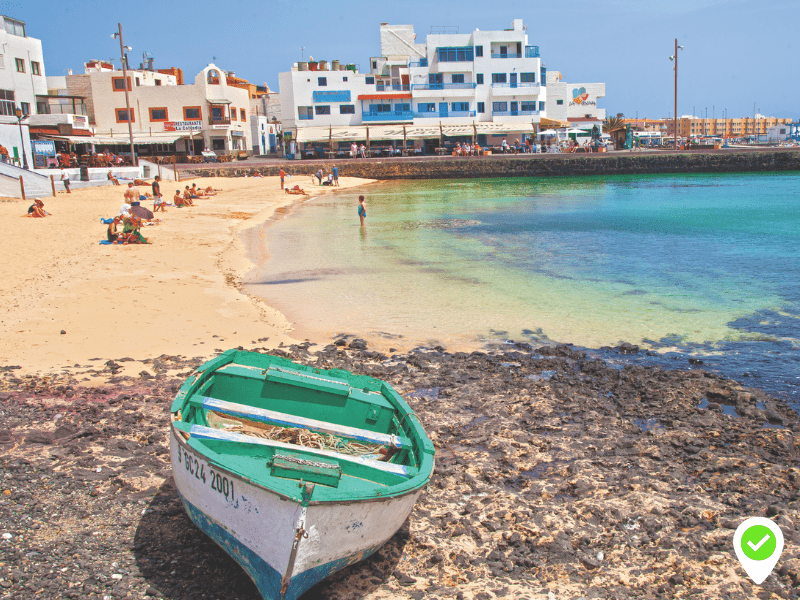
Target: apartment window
(322,81)
(426,107)
(158,114)
(347,109)
(242,114)
(528,106)
(233,114)
(118,84)
(158,82)
(499,106)
(481,107)
(192,113)
(478,50)
(479,78)
(305,113)
(123,116)
(369,80)
(458,78)
(7,103)
(20,65)
(460,106)
(460,54)
(541,105)
(527,77)
(35,68)
(559,103)
(374,64)
(323,109)
(217,113)
(138,82)
(344,78)
(498,78)
(14,27)
(2,62)
(25,107)
(377,108)
(402,107)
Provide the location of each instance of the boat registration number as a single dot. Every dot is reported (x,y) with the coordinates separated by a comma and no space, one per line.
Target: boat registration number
(218,482)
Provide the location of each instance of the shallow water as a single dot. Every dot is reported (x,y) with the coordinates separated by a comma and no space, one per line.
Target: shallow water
(705,265)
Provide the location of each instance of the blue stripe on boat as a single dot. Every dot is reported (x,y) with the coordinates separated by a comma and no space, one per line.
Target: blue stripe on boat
(267,579)
(201,432)
(270,416)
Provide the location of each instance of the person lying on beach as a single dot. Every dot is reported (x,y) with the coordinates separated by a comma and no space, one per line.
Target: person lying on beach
(112,178)
(211,191)
(112,234)
(296,190)
(196,191)
(139,182)
(36,210)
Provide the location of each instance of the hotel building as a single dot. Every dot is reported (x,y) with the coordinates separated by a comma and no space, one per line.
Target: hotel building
(482,83)
(689,126)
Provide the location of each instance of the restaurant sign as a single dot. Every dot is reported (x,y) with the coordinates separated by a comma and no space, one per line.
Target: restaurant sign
(183,125)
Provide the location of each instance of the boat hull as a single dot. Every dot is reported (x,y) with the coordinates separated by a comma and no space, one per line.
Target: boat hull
(257,527)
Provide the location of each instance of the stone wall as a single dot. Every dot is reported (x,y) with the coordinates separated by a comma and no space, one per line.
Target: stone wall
(528,165)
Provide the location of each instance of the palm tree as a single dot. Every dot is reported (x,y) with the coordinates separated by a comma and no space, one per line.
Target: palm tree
(614,123)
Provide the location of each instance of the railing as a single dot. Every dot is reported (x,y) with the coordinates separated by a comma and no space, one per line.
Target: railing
(435,114)
(392,115)
(394,87)
(305,117)
(523,84)
(506,55)
(531,51)
(423,62)
(443,86)
(219,120)
(513,113)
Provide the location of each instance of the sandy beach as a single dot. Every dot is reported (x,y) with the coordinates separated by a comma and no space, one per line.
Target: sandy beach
(178,295)
(558,475)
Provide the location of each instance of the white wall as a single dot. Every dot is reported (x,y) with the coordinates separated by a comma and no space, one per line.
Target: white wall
(26,86)
(9,137)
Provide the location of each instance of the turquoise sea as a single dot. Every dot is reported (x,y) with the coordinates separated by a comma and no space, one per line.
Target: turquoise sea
(685,265)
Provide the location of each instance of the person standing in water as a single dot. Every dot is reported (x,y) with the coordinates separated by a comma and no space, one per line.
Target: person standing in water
(362,210)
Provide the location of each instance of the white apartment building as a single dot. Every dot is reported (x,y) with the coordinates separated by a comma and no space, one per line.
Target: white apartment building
(164,116)
(22,79)
(478,83)
(575,103)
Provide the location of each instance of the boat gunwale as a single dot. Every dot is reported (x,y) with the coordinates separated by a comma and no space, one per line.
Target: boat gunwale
(183,444)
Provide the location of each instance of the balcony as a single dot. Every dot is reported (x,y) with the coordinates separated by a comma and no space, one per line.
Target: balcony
(443,86)
(531,51)
(392,115)
(423,62)
(506,55)
(514,113)
(436,115)
(219,120)
(395,87)
(524,85)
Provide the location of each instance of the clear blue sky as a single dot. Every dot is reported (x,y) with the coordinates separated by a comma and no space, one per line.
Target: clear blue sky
(737,53)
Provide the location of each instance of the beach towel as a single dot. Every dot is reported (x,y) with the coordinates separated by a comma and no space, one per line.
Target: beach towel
(106,221)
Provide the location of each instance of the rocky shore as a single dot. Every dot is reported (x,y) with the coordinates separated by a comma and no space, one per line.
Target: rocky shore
(558,476)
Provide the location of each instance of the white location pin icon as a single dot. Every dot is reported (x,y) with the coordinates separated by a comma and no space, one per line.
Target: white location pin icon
(758,543)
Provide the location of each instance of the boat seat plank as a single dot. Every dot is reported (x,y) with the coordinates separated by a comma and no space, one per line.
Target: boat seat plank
(201,432)
(286,420)
(243,371)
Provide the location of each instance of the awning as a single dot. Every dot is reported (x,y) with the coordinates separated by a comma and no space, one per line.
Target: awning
(412,132)
(141,138)
(219,101)
(553,123)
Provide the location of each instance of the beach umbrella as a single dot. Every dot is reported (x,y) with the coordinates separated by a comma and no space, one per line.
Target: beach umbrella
(142,212)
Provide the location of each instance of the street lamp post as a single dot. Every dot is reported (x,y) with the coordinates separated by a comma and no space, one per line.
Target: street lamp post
(18,114)
(124,60)
(674,57)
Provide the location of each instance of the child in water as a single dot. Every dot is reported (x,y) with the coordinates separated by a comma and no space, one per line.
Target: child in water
(362,210)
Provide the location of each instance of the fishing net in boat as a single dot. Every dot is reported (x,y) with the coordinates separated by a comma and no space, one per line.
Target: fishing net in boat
(295,435)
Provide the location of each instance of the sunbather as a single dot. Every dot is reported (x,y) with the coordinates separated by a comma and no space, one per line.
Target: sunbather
(112,178)
(37,210)
(177,199)
(112,234)
(296,190)
(187,197)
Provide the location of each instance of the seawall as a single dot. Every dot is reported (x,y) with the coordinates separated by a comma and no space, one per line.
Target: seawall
(523,165)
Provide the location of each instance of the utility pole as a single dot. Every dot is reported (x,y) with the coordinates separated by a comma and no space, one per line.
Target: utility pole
(124,60)
(674,57)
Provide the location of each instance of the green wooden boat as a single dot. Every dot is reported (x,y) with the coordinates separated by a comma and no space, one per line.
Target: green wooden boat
(295,471)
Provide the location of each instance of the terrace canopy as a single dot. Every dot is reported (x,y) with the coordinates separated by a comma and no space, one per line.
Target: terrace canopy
(412,132)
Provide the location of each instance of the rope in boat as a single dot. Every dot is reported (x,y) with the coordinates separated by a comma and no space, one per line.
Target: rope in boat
(293,435)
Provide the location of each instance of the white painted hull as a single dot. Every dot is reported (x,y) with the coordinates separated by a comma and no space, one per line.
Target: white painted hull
(257,527)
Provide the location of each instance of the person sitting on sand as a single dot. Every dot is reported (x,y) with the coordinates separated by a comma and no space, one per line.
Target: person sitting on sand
(177,199)
(112,234)
(189,194)
(211,191)
(131,231)
(36,210)
(112,178)
(196,191)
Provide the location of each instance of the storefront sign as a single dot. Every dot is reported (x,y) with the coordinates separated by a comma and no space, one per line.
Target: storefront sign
(183,125)
(237,133)
(44,147)
(79,122)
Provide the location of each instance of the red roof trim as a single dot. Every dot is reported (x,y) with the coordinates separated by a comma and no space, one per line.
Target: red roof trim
(383,96)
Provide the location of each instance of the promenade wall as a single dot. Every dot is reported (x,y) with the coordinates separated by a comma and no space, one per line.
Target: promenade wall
(525,165)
